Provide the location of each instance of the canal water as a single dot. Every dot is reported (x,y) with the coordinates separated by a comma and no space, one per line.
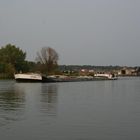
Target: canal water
(96,110)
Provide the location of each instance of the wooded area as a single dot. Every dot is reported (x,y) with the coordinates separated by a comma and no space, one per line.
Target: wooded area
(13,60)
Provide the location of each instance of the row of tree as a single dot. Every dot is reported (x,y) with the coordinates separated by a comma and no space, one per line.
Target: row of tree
(13,60)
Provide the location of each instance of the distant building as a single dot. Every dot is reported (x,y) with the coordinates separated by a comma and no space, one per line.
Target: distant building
(126,71)
(86,72)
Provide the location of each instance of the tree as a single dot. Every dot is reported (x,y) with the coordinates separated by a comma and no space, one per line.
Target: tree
(12,56)
(47,58)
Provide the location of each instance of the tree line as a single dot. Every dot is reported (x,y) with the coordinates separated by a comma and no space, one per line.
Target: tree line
(13,60)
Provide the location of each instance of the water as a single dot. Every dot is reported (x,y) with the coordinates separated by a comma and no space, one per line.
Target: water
(97,110)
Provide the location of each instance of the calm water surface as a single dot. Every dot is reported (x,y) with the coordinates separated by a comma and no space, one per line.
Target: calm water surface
(97,110)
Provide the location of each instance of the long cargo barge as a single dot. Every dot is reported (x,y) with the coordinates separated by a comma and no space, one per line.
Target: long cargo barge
(35,77)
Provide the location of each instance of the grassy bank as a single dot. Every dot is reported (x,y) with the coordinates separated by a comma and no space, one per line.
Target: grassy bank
(6,76)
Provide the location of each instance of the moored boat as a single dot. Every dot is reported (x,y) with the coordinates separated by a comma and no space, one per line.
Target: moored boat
(37,77)
(28,77)
(32,77)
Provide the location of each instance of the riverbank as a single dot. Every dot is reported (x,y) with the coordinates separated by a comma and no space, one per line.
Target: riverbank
(5,76)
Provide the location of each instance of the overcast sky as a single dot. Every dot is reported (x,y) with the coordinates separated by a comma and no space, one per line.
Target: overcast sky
(94,32)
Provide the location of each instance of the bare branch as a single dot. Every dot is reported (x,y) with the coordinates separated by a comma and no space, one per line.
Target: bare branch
(48,57)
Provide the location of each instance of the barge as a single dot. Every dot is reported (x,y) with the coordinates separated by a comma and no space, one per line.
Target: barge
(36,77)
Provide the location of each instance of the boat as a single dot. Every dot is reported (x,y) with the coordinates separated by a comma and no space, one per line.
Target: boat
(32,77)
(28,77)
(37,77)
(108,76)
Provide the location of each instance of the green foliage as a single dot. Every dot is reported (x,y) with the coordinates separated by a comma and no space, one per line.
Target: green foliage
(29,66)
(2,67)
(9,70)
(12,59)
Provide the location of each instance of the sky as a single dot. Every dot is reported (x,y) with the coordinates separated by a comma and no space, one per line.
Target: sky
(83,32)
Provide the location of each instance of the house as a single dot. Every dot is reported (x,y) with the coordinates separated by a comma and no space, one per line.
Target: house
(127,71)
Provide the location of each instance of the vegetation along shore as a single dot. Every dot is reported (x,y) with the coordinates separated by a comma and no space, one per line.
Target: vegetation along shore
(13,60)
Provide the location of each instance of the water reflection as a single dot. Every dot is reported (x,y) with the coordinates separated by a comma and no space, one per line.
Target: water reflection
(49,98)
(12,100)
